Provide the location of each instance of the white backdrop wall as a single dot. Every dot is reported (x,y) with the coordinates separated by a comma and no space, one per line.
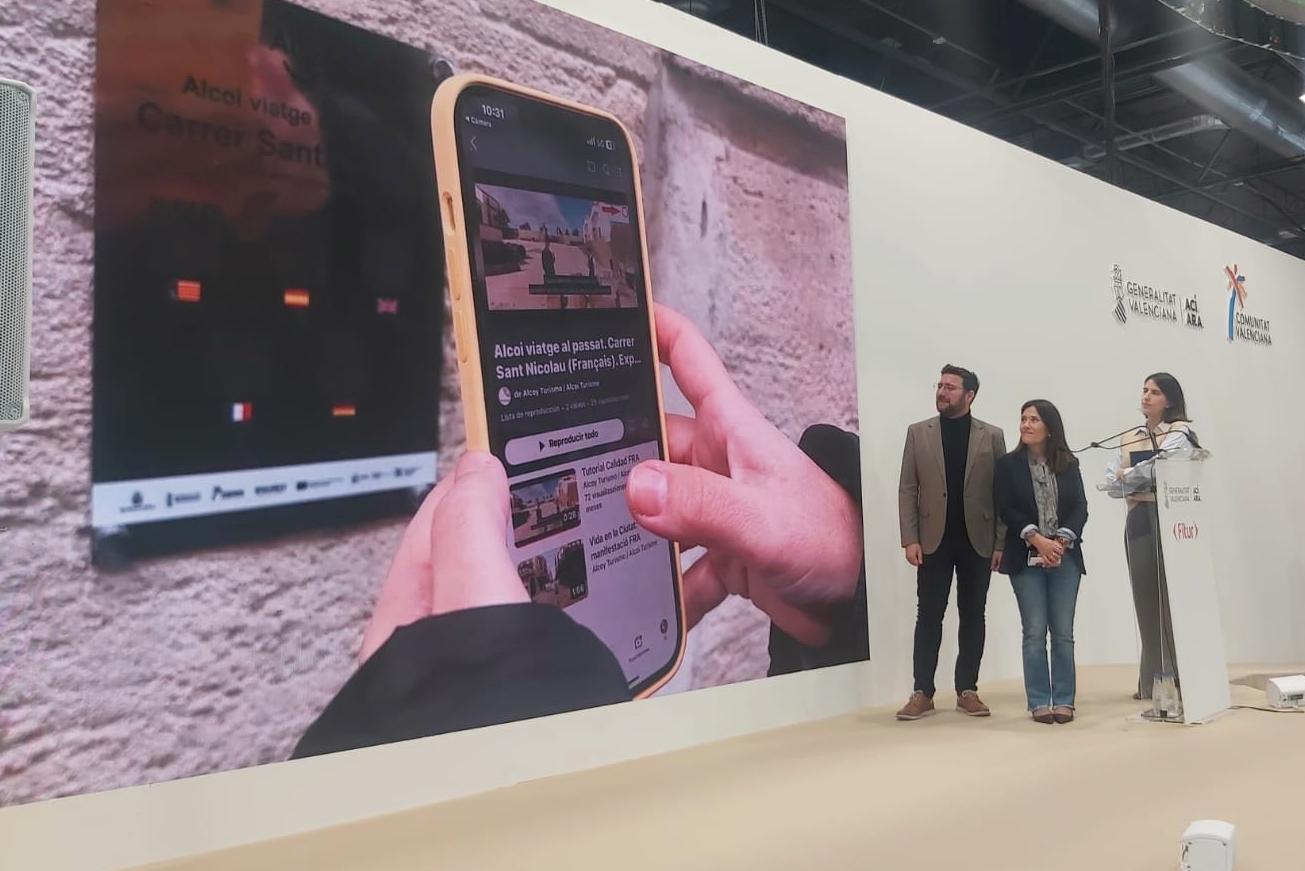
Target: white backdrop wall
(978,253)
(968,250)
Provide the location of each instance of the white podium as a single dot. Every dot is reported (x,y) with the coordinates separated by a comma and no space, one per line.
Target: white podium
(1186,530)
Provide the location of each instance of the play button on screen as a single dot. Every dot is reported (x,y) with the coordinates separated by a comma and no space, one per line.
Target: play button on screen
(541,446)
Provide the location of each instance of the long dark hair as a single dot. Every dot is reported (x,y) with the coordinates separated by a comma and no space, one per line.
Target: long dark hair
(1059,457)
(1173,392)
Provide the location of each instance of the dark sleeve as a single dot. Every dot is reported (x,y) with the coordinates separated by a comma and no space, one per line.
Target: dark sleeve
(478,667)
(1012,514)
(1077,516)
(838,454)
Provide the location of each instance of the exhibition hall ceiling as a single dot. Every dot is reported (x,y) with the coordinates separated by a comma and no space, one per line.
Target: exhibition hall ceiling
(1207,118)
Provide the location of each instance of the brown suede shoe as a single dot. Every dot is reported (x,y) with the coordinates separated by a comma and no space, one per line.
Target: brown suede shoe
(969,704)
(1063,714)
(1044,715)
(917,706)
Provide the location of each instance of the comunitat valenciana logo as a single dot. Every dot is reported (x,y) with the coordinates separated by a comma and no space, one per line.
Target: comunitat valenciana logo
(1240,324)
(1236,296)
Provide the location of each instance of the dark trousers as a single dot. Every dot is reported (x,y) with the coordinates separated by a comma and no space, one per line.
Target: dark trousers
(934,586)
(1146,571)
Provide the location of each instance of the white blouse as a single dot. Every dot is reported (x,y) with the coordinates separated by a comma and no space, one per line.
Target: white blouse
(1121,481)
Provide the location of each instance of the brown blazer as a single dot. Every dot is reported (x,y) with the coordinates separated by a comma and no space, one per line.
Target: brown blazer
(922,492)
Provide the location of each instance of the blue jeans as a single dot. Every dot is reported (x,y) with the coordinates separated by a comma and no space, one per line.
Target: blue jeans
(1047,598)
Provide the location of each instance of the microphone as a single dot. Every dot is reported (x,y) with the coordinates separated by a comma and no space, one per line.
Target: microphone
(1191,436)
(1100,445)
(1150,439)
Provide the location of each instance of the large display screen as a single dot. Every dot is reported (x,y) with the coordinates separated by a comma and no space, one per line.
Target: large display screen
(247,380)
(268,291)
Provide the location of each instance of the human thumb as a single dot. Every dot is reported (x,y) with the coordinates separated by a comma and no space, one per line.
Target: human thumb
(696,507)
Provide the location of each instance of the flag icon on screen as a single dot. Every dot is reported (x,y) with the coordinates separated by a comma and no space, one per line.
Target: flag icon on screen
(386,306)
(242,412)
(344,409)
(188,291)
(297,298)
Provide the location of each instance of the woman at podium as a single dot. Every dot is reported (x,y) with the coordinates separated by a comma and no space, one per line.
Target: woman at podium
(1131,476)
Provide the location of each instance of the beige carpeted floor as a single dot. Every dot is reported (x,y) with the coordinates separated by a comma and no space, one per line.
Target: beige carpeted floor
(1106,793)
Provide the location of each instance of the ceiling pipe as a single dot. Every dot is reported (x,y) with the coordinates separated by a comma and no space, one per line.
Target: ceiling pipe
(1218,86)
(1152,136)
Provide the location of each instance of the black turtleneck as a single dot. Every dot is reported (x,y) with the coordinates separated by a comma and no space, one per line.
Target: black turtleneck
(956,449)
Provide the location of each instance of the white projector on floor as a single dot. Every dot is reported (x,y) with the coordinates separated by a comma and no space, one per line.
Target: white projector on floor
(1287,692)
(1209,845)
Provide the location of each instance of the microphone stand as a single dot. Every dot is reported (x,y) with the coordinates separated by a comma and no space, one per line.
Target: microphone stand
(1166,701)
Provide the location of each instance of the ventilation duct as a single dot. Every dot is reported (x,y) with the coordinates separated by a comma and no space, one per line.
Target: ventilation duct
(1218,86)
(1155,135)
(1276,25)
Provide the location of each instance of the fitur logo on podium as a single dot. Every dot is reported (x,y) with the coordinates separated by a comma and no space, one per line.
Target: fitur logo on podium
(1153,303)
(1241,325)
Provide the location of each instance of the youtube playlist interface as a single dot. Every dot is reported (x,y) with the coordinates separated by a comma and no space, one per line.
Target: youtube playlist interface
(567,359)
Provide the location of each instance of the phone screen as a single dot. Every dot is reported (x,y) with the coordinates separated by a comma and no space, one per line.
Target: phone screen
(563,325)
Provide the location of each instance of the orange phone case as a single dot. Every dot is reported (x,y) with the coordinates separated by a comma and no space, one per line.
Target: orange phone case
(458,270)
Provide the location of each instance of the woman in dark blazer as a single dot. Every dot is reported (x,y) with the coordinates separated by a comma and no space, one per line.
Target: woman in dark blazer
(1040,497)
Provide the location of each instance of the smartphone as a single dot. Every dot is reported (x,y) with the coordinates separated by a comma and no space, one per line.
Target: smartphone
(557,353)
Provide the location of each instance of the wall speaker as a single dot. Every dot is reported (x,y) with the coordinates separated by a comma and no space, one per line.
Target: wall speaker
(17,145)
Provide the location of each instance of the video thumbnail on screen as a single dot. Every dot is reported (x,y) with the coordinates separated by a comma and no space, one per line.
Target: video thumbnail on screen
(557,577)
(547,251)
(545,506)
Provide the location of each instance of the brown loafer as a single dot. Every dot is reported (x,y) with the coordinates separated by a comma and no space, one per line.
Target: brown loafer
(917,706)
(1062,714)
(969,704)
(1044,715)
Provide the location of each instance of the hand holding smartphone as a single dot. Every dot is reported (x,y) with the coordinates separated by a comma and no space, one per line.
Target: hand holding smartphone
(557,356)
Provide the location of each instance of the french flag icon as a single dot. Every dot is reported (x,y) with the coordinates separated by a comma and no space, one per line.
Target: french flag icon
(242,412)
